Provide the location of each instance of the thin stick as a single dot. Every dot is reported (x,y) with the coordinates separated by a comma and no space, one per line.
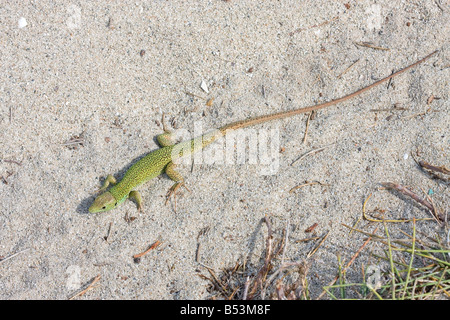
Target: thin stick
(389,109)
(307,126)
(247,283)
(386,220)
(194,95)
(13,255)
(90,287)
(350,262)
(311,152)
(370,45)
(430,167)
(285,242)
(364,214)
(416,114)
(12,161)
(262,273)
(348,68)
(307,239)
(412,257)
(311,228)
(197,253)
(73,141)
(359,251)
(306,184)
(109,232)
(312,252)
(314,26)
(413,196)
(153,246)
(391,261)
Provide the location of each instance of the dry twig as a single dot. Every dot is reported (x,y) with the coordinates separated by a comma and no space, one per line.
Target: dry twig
(89,287)
(350,262)
(370,45)
(153,246)
(311,152)
(424,202)
(13,255)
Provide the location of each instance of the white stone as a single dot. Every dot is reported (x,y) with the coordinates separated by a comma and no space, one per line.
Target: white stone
(204,86)
(22,22)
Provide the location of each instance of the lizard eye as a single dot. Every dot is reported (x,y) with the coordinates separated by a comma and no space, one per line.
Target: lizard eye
(115,204)
(104,207)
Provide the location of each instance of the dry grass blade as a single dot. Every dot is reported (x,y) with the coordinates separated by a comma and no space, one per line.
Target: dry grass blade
(313,251)
(347,69)
(412,256)
(262,273)
(424,202)
(366,217)
(13,255)
(314,26)
(349,263)
(371,45)
(11,161)
(428,166)
(434,170)
(310,153)
(306,184)
(307,127)
(265,282)
(416,279)
(217,282)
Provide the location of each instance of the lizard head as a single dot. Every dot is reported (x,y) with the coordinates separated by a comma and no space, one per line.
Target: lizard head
(103,202)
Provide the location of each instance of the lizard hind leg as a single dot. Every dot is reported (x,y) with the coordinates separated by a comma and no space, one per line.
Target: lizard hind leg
(165,139)
(179,181)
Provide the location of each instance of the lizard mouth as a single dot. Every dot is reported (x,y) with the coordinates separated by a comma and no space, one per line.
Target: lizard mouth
(103,202)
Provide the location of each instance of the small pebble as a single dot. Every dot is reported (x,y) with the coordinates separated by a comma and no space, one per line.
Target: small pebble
(22,23)
(204,86)
(209,103)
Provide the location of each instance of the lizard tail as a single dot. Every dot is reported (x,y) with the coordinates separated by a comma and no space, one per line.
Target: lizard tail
(285,114)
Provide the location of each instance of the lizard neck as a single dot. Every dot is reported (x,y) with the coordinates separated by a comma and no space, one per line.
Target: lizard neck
(119,193)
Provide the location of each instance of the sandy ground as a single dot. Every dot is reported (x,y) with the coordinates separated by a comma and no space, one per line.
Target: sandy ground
(104,74)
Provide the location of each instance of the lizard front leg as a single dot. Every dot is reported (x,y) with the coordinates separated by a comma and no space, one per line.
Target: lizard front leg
(137,197)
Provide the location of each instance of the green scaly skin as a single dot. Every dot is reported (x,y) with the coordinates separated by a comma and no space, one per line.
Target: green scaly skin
(149,167)
(162,160)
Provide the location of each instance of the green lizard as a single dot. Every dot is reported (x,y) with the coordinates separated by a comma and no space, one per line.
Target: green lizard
(163,160)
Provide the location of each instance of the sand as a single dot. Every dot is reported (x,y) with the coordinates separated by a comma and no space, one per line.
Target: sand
(83,88)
